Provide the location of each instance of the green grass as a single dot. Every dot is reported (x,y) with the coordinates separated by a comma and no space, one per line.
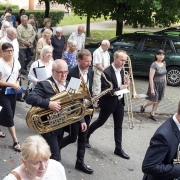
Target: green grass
(74,19)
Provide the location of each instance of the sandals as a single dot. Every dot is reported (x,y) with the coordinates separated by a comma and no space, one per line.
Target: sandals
(2,135)
(142,110)
(17,146)
(152,117)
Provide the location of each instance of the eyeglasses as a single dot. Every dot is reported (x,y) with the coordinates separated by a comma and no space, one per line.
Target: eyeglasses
(9,51)
(62,72)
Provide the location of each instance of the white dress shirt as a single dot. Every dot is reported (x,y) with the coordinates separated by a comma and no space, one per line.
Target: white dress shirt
(80,39)
(101,57)
(176,121)
(15,45)
(118,75)
(84,76)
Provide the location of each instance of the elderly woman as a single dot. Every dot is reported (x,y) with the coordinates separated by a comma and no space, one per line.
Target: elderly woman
(9,77)
(4,28)
(36,163)
(70,55)
(43,41)
(58,43)
(46,62)
(8,18)
(47,25)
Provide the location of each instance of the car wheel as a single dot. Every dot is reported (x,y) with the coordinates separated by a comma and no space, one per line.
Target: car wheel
(173,76)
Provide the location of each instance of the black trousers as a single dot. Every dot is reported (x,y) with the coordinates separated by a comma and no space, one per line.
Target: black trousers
(72,137)
(8,103)
(54,139)
(118,116)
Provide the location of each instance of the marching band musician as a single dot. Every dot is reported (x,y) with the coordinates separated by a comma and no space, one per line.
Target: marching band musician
(109,103)
(40,97)
(158,161)
(79,129)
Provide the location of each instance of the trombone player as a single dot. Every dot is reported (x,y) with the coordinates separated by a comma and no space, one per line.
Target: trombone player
(158,162)
(110,103)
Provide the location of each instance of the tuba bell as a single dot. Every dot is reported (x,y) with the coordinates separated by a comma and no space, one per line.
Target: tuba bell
(73,109)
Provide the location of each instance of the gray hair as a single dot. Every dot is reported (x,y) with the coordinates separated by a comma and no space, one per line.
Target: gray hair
(24,17)
(72,43)
(7,14)
(44,50)
(59,29)
(59,62)
(10,30)
(105,42)
(5,24)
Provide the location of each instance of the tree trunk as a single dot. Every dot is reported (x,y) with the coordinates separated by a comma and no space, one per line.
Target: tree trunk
(88,34)
(47,8)
(119,28)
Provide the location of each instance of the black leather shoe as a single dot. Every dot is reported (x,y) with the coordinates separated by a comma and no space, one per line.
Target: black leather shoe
(21,100)
(23,72)
(87,144)
(121,153)
(84,168)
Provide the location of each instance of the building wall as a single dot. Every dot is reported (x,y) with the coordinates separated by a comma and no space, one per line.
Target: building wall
(37,6)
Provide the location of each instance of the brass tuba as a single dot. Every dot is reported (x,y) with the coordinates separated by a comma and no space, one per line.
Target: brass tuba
(73,109)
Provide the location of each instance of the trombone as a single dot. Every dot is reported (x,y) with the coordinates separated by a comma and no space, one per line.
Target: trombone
(131,95)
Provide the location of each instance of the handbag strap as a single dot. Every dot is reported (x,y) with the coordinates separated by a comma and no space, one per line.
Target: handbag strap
(11,71)
(16,175)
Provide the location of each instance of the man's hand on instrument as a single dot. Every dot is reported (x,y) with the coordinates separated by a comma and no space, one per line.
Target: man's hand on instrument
(123,87)
(83,127)
(54,105)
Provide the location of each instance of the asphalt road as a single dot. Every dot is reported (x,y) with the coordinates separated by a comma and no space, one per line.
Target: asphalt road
(100,157)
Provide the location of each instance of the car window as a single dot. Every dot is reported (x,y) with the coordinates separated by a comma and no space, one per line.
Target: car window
(153,45)
(177,46)
(127,43)
(168,48)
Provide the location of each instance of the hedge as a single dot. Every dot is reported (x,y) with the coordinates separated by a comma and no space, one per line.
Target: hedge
(54,15)
(4,6)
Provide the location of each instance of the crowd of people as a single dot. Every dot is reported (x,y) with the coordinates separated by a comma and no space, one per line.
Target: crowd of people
(54,62)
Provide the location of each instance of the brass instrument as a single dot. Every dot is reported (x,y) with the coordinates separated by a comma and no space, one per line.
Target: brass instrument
(128,75)
(72,110)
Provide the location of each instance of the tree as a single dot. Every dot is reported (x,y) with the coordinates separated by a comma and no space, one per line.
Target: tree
(136,12)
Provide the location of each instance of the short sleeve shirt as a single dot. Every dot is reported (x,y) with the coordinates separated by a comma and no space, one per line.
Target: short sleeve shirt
(5,70)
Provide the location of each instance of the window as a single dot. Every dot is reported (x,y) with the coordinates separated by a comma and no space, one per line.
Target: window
(168,48)
(127,43)
(153,45)
(177,46)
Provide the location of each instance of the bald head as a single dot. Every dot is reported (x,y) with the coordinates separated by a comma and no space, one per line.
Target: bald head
(59,70)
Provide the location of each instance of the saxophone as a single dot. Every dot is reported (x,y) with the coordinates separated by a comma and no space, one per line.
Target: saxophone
(73,109)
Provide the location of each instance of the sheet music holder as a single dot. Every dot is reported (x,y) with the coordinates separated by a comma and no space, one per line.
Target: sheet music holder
(73,85)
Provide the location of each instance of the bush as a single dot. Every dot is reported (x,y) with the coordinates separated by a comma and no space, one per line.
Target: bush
(4,6)
(55,16)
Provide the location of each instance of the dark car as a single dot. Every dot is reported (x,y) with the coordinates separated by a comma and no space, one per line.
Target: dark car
(141,48)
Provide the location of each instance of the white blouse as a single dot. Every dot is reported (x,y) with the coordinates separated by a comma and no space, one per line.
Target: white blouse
(5,70)
(31,75)
(55,171)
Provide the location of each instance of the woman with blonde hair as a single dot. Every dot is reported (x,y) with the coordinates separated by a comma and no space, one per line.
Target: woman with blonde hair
(3,31)
(45,40)
(47,25)
(36,162)
(46,62)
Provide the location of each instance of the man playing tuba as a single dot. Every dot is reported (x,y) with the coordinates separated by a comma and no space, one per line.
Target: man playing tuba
(40,97)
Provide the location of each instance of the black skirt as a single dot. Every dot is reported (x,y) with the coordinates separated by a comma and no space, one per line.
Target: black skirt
(8,103)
